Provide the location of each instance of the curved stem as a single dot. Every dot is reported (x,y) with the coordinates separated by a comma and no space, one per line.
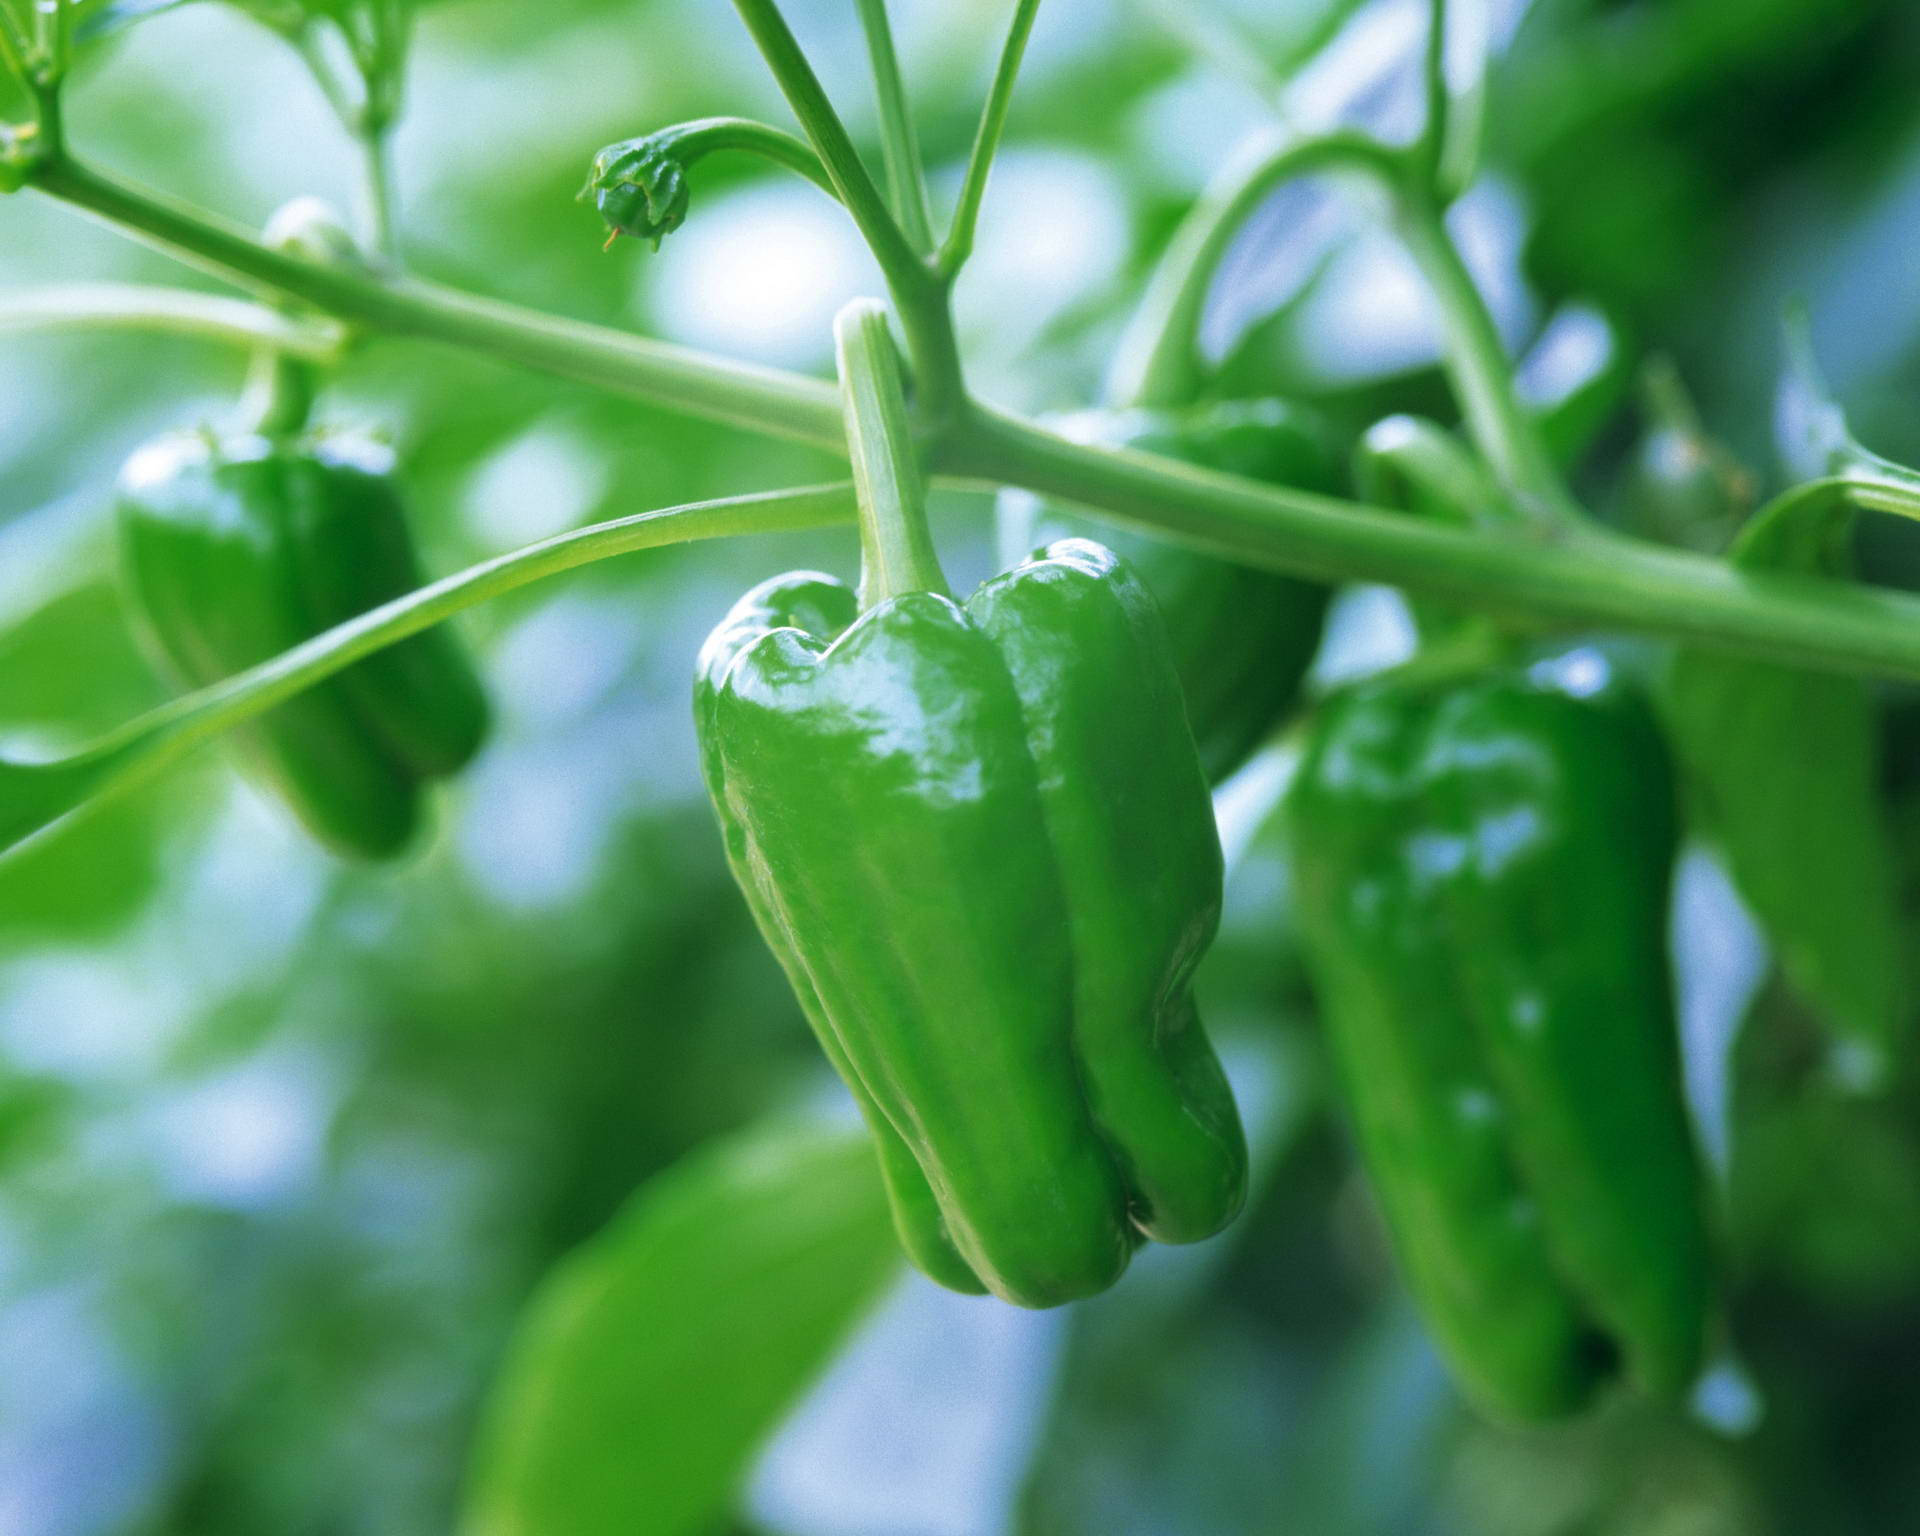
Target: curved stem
(1477,365)
(689,142)
(764,399)
(986,141)
(1588,578)
(171,311)
(896,546)
(1158,360)
(35,795)
(1408,461)
(899,146)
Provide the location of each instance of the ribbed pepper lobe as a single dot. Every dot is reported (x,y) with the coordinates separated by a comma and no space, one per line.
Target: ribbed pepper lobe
(895,792)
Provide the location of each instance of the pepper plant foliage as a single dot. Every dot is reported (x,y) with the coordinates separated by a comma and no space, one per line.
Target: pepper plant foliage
(1554,1245)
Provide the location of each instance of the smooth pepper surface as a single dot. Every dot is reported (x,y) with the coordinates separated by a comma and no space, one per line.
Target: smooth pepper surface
(1482,873)
(239,546)
(979,841)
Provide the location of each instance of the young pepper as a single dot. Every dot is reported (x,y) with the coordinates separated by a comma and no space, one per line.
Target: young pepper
(1242,639)
(978,839)
(1482,873)
(239,546)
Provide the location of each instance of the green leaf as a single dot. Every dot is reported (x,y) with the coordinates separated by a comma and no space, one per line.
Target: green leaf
(653,1363)
(1783,762)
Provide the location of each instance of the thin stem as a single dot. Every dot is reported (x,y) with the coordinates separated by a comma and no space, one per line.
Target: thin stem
(1213,37)
(899,147)
(829,136)
(171,311)
(1158,361)
(764,399)
(896,546)
(1433,67)
(1477,365)
(34,796)
(15,47)
(919,295)
(986,141)
(1586,579)
(378,218)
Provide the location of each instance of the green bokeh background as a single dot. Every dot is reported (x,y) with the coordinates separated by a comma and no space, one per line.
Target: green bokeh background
(285,1145)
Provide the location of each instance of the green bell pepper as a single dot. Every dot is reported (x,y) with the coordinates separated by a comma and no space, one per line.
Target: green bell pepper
(1482,871)
(978,839)
(239,546)
(1242,638)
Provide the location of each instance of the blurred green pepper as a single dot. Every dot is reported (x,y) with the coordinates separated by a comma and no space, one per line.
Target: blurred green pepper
(1482,872)
(1242,638)
(239,546)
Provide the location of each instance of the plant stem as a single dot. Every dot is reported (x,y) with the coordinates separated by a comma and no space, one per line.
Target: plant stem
(34,796)
(899,146)
(1158,361)
(1432,146)
(896,546)
(919,295)
(1477,365)
(1587,578)
(764,399)
(15,47)
(986,142)
(173,311)
(376,194)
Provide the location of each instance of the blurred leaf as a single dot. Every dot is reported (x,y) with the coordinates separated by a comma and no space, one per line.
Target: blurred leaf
(653,1362)
(1786,767)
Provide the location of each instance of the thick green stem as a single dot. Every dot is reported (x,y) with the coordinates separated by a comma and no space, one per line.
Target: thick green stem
(1158,362)
(35,795)
(170,311)
(899,145)
(896,546)
(1591,581)
(378,219)
(986,141)
(1585,579)
(764,399)
(280,394)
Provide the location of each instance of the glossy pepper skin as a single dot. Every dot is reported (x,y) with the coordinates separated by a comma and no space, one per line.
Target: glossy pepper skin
(1242,638)
(978,840)
(236,547)
(1482,873)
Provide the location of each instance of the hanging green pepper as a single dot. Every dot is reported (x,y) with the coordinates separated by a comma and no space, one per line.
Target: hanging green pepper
(1242,639)
(978,839)
(1482,874)
(239,546)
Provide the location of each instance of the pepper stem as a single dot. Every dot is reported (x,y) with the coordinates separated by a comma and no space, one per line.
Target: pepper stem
(896,545)
(279,393)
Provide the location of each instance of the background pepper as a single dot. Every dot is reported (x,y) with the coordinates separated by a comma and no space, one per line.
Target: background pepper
(979,841)
(238,546)
(1242,639)
(1482,872)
